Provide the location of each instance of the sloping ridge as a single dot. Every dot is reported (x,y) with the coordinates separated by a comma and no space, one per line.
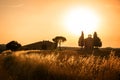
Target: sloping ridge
(41,45)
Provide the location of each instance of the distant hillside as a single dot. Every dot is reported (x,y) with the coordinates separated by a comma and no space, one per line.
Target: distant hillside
(70,48)
(41,45)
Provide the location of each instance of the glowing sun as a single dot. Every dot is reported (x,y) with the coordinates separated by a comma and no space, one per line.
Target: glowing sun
(81,19)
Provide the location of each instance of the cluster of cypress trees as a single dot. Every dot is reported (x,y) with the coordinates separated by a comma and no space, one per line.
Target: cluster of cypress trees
(96,40)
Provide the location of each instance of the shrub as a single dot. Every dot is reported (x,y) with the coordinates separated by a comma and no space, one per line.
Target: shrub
(13,45)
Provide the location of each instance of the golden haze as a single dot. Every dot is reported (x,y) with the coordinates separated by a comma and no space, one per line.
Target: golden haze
(28,21)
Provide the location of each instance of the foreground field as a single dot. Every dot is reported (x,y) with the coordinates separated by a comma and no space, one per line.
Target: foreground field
(58,65)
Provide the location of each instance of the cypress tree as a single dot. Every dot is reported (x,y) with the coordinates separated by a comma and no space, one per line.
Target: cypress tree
(96,41)
(81,40)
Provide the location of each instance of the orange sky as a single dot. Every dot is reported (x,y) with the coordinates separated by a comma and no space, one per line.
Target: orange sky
(28,21)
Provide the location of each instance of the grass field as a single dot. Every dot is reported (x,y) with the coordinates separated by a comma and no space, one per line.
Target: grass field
(58,65)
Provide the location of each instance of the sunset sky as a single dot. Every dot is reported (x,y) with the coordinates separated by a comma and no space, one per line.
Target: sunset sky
(28,21)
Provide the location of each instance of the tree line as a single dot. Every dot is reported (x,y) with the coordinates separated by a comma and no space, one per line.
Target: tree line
(86,43)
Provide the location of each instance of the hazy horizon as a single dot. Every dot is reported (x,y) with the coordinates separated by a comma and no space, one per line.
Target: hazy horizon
(29,21)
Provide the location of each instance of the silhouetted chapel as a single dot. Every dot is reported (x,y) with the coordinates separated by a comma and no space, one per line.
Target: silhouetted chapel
(89,42)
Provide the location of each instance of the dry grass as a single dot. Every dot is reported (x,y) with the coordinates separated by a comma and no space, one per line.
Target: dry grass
(58,65)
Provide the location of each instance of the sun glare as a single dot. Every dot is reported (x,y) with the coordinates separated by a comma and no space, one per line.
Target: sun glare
(81,19)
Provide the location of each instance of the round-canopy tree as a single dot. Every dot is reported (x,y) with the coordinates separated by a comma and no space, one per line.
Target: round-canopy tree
(13,45)
(59,40)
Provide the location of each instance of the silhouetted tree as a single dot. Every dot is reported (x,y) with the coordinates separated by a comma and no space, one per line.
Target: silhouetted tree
(81,40)
(13,45)
(59,40)
(96,41)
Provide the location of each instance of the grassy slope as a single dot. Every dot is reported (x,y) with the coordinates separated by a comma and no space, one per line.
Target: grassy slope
(58,65)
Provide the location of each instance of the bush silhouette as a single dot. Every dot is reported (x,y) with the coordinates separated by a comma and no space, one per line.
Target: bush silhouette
(13,45)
